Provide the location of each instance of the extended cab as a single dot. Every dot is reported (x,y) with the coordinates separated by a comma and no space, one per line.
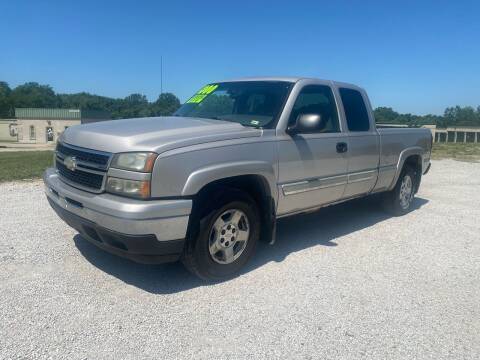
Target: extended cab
(206,184)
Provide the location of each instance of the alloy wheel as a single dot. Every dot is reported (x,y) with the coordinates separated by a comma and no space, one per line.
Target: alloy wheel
(406,192)
(229,236)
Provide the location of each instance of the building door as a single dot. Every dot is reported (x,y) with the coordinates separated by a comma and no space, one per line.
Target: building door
(49,133)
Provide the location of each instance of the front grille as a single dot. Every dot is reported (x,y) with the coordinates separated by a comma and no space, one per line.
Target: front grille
(82,155)
(80,177)
(89,170)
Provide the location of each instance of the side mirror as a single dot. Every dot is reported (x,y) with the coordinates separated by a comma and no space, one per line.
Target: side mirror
(305,123)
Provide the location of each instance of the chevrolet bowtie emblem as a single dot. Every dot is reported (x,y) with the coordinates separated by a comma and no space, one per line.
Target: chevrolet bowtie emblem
(70,162)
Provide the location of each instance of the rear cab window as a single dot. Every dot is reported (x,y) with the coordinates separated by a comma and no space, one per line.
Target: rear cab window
(355,110)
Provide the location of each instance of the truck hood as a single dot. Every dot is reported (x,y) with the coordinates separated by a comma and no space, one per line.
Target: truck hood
(157,134)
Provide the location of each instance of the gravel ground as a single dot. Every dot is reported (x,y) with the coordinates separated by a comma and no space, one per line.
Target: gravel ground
(347,282)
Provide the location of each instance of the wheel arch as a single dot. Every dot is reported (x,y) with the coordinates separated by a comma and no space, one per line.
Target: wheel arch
(412,157)
(258,185)
(202,177)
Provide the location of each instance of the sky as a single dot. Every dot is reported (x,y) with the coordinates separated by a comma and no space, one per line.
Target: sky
(414,56)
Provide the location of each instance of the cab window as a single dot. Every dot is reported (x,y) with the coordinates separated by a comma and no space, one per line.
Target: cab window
(318,100)
(355,110)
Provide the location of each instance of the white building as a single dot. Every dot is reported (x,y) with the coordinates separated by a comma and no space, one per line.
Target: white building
(43,126)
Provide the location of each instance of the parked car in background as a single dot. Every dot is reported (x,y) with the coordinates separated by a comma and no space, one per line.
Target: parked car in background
(206,184)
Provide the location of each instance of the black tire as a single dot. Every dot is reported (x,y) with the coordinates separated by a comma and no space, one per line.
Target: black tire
(197,258)
(397,203)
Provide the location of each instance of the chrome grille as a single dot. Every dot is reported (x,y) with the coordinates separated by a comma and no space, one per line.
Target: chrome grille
(81,177)
(90,168)
(85,155)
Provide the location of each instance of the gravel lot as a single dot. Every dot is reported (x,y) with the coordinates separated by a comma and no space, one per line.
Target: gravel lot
(346,282)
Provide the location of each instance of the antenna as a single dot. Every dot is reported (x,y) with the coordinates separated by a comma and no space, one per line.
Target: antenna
(161,74)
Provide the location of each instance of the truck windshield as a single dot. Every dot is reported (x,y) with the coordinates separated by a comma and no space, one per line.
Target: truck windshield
(250,103)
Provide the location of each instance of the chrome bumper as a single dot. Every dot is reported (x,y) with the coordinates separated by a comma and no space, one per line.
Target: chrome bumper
(166,219)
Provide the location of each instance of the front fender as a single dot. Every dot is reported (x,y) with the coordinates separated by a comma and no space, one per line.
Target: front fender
(203,176)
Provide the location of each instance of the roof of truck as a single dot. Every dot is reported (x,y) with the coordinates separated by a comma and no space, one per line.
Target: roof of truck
(266,78)
(291,79)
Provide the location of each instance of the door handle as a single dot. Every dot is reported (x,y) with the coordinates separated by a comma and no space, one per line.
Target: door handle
(342,147)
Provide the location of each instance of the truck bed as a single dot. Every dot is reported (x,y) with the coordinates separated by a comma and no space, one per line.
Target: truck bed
(394,142)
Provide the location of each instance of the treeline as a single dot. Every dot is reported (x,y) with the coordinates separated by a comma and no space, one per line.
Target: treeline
(34,95)
(453,116)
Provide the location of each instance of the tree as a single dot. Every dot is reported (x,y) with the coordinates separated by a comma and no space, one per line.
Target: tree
(136,99)
(86,101)
(385,115)
(5,103)
(453,116)
(461,116)
(134,105)
(33,94)
(166,104)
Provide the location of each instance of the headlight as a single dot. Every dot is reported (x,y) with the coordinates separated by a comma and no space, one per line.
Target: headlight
(135,161)
(133,188)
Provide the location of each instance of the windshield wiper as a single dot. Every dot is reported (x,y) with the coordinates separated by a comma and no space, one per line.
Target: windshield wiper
(221,119)
(232,121)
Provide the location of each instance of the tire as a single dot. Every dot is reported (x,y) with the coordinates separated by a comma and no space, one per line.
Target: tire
(399,200)
(225,237)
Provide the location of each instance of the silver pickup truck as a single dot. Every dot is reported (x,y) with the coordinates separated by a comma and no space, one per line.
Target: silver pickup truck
(206,184)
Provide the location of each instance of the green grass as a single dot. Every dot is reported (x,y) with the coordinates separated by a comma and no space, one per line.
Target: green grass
(457,151)
(19,165)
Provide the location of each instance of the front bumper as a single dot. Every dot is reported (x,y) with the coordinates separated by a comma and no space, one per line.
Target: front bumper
(145,231)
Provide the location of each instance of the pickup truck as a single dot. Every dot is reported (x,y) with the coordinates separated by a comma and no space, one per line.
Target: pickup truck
(205,185)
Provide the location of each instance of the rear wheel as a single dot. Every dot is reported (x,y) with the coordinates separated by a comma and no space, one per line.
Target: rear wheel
(226,237)
(399,200)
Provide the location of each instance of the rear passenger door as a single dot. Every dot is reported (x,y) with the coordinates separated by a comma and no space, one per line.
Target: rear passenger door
(363,141)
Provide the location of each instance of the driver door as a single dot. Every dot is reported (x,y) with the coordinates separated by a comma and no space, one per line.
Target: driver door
(312,166)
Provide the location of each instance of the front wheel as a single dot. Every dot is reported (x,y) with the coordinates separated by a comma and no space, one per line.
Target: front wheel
(399,200)
(226,238)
